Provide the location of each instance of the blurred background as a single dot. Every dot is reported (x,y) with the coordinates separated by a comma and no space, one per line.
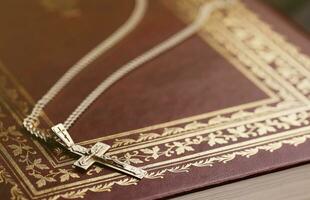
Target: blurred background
(298,10)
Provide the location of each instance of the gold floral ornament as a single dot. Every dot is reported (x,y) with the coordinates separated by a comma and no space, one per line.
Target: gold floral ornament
(166,132)
(196,126)
(220,137)
(209,162)
(27,155)
(6,178)
(107,187)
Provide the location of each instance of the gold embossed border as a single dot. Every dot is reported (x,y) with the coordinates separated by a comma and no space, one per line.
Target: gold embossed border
(292,93)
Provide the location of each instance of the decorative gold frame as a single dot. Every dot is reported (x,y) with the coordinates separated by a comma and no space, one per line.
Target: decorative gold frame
(263,56)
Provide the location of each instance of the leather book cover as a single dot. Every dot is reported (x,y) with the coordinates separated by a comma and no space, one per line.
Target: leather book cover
(228,103)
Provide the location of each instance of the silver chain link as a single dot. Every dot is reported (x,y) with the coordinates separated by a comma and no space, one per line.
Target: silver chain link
(31,122)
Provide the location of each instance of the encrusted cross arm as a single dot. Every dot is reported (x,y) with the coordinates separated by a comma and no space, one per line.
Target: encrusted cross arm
(88,158)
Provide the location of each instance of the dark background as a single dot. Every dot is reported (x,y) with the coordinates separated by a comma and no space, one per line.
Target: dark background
(298,10)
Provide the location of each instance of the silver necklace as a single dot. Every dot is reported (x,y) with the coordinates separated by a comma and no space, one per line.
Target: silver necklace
(97,152)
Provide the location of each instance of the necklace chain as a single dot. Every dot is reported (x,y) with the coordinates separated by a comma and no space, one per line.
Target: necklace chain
(31,121)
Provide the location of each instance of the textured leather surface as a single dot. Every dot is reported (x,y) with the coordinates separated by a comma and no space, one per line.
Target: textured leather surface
(38,44)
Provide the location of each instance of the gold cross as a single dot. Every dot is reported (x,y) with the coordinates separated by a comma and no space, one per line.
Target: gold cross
(95,154)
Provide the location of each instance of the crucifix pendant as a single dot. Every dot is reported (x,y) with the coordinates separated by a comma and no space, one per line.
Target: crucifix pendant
(95,154)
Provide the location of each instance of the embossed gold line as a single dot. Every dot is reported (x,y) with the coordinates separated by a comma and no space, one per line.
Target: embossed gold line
(241,68)
(217,125)
(238,65)
(20,181)
(16,167)
(180,121)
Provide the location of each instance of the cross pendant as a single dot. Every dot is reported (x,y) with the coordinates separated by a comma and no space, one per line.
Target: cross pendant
(95,154)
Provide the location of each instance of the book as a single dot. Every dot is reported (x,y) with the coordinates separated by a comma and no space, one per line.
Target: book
(285,184)
(228,103)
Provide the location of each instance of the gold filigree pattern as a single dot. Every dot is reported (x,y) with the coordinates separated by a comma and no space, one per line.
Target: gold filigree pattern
(209,162)
(196,126)
(6,178)
(219,137)
(25,154)
(269,53)
(107,187)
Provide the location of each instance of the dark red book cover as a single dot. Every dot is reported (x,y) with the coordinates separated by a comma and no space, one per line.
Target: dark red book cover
(228,103)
